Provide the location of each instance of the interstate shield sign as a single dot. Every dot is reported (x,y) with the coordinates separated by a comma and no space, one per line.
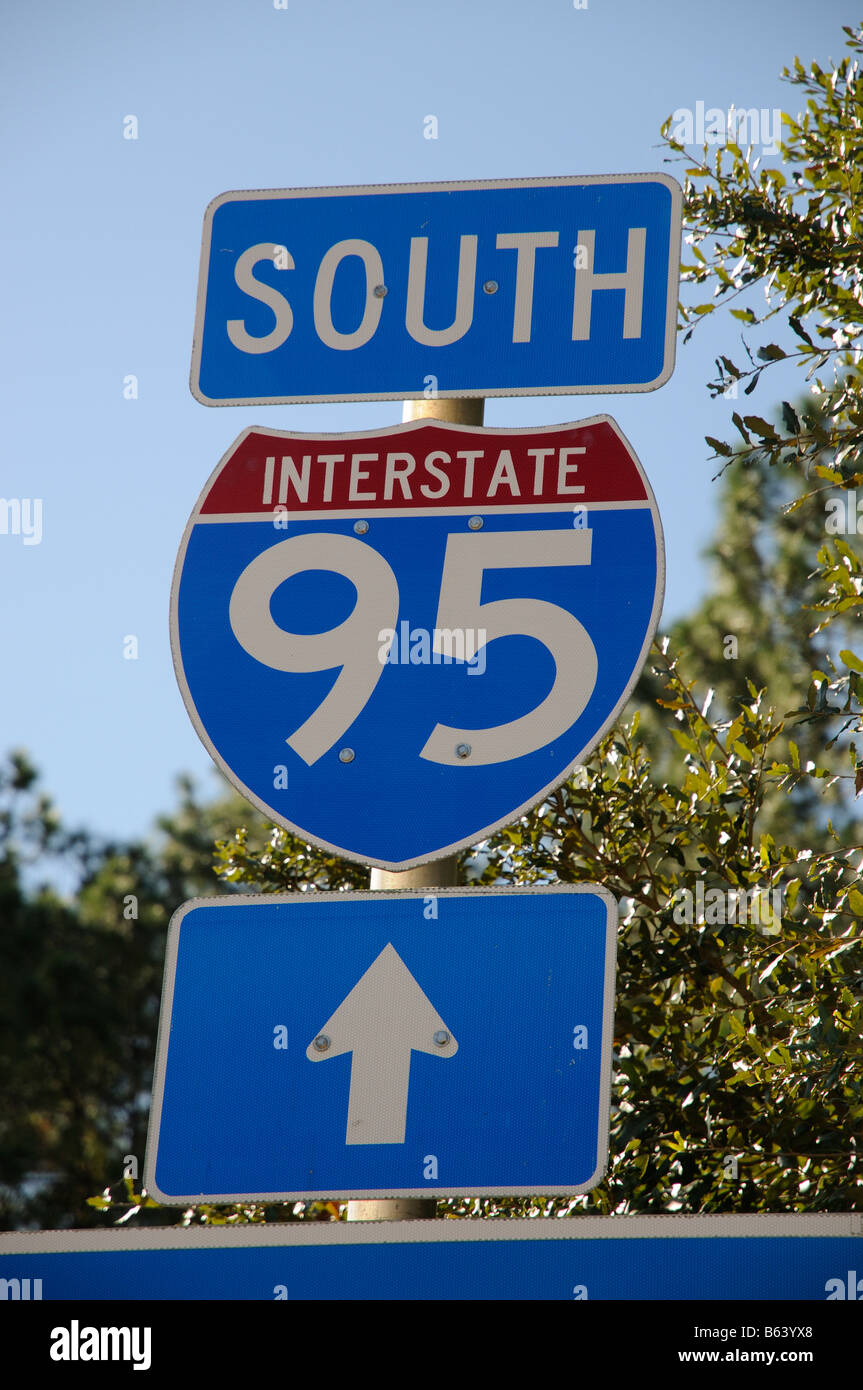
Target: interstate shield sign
(397,641)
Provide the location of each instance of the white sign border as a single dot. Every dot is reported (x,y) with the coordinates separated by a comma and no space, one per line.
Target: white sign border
(757,1225)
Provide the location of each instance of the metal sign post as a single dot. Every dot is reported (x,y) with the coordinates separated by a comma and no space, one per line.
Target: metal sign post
(439,873)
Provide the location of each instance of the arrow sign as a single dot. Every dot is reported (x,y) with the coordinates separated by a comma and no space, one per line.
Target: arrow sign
(385,1017)
(512,987)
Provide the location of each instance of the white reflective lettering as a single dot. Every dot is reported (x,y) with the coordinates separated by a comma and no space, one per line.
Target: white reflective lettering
(399,469)
(322,301)
(265,294)
(564,468)
(415,311)
(526,244)
(290,476)
(467,558)
(360,475)
(438,473)
(351,645)
(630,280)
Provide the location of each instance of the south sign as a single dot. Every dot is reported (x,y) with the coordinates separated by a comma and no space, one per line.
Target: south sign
(519,287)
(395,642)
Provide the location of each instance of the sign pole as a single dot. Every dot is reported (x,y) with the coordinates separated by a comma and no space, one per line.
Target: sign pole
(438,873)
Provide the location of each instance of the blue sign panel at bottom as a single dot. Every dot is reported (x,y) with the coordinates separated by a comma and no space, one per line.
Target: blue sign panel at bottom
(384,1044)
(584,1257)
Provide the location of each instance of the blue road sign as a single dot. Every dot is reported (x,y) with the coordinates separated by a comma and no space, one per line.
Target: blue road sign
(500,288)
(384,1044)
(740,1258)
(395,642)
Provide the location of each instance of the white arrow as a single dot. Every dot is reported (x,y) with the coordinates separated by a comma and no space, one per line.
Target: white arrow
(385,1017)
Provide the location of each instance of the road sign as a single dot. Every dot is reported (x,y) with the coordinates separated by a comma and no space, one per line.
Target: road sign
(499,288)
(395,642)
(743,1258)
(384,1044)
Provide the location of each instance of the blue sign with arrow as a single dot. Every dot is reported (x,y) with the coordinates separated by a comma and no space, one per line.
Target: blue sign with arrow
(384,1044)
(508,287)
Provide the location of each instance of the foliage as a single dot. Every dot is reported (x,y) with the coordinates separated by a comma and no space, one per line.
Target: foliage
(755,628)
(737,1037)
(280,863)
(801,239)
(74,1048)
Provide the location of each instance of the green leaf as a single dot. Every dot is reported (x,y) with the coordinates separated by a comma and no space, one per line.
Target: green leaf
(740,426)
(798,328)
(760,427)
(855,899)
(729,367)
(790,418)
(771,352)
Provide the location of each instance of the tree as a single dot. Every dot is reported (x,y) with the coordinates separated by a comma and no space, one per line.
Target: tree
(755,626)
(70,1082)
(80,983)
(801,241)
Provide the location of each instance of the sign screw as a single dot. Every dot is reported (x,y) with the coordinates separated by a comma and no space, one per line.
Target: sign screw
(462,750)
(346,755)
(360,527)
(441,1037)
(474,523)
(490,287)
(321,1043)
(380,291)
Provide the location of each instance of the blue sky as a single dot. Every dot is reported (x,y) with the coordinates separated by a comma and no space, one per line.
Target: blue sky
(100,245)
